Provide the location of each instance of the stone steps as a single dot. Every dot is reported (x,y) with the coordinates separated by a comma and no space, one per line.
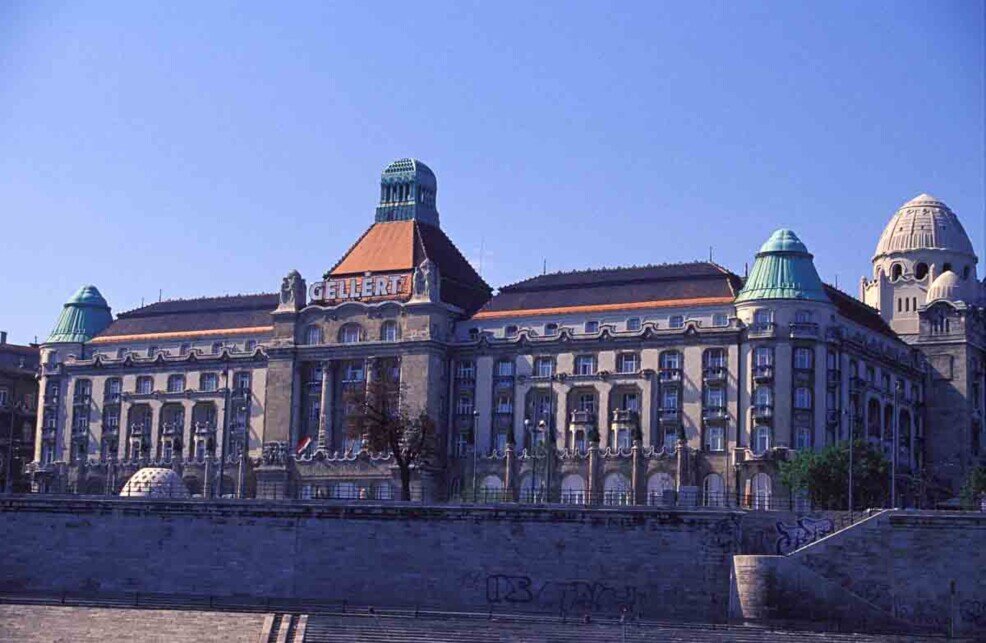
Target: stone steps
(457,628)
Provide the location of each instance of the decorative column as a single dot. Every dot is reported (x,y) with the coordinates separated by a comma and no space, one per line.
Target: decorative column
(593,477)
(636,473)
(325,412)
(207,479)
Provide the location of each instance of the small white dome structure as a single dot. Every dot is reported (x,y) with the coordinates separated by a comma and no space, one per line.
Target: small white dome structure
(155,482)
(947,286)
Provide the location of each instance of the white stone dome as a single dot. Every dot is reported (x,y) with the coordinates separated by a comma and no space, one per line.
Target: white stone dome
(923,223)
(947,286)
(155,482)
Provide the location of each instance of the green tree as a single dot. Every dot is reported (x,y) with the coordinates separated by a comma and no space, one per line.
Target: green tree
(974,487)
(825,475)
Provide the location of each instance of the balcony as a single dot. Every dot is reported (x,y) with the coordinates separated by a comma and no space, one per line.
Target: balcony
(242,393)
(51,402)
(806,330)
(714,374)
(314,386)
(582,417)
(173,428)
(763,372)
(204,428)
(669,416)
(624,417)
(81,400)
(112,398)
(714,414)
(669,375)
(763,412)
(765,329)
(80,430)
(111,430)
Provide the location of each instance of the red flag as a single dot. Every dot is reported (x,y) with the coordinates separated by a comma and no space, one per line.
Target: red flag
(303,444)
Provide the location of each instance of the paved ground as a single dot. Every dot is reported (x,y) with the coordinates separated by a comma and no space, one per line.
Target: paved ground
(110,625)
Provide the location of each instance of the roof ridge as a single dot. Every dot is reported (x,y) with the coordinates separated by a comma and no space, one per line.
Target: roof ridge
(196,299)
(589,271)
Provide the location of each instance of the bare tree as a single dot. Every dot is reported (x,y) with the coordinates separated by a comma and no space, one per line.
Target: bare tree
(376,415)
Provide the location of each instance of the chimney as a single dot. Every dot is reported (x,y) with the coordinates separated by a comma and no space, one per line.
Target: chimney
(3,337)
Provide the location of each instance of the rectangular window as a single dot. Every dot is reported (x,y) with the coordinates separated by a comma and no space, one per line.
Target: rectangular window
(715,438)
(585,365)
(465,370)
(802,398)
(176,383)
(802,358)
(763,356)
(208,382)
(802,438)
(587,403)
(505,368)
(145,385)
(715,397)
(720,320)
(669,398)
(241,381)
(510,331)
(4,397)
(353,372)
(676,321)
(630,402)
(592,327)
(463,405)
(504,404)
(544,367)
(628,363)
(670,439)
(550,329)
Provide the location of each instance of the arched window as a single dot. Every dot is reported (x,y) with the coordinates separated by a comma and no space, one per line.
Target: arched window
(761,487)
(350,334)
(616,490)
(657,484)
(313,335)
(491,489)
(921,271)
(388,331)
(947,268)
(896,272)
(573,489)
(714,491)
(112,390)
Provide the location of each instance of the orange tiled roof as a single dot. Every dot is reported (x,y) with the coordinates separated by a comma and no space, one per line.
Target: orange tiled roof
(385,247)
(558,310)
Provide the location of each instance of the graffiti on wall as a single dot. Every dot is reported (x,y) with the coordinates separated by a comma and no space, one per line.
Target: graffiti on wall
(575,596)
(803,532)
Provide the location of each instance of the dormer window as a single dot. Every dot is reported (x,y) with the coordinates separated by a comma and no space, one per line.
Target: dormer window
(550,329)
(592,326)
(676,321)
(510,331)
(719,320)
(473,334)
(633,323)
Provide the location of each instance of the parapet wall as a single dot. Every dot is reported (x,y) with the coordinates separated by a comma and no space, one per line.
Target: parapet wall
(655,564)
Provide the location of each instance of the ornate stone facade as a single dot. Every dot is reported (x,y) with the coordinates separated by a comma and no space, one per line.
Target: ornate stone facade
(620,386)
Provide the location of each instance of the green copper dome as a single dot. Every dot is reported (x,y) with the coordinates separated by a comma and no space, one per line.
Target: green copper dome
(84,315)
(783,270)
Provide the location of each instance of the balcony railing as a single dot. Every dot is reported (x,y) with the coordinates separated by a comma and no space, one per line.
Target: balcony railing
(763,372)
(763,329)
(81,400)
(763,411)
(669,375)
(583,417)
(80,429)
(804,329)
(112,398)
(204,427)
(669,416)
(714,413)
(622,416)
(714,373)
(173,428)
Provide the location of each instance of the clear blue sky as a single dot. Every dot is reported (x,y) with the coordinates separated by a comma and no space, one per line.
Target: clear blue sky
(206,148)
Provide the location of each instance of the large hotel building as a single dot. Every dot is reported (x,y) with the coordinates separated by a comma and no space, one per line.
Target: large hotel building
(624,385)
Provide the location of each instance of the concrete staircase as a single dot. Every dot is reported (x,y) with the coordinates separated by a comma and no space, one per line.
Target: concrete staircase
(480,629)
(284,628)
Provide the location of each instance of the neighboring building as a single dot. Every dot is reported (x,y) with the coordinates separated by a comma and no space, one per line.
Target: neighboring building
(647,381)
(18,411)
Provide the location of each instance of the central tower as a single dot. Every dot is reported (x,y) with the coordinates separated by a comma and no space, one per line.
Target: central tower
(407,191)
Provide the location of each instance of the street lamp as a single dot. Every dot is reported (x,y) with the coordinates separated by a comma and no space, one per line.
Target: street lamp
(475,449)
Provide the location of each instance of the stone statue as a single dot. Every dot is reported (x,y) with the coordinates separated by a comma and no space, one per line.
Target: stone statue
(274,453)
(292,292)
(426,281)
